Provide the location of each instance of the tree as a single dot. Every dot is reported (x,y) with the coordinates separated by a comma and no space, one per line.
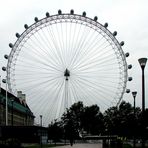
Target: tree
(111,119)
(55,131)
(121,120)
(80,118)
(92,120)
(71,120)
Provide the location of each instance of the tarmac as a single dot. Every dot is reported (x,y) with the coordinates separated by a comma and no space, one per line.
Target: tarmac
(96,145)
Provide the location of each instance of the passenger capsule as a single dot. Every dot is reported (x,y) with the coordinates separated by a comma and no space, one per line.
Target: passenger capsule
(6,56)
(4,68)
(106,25)
(129,66)
(71,11)
(10,45)
(122,43)
(47,14)
(17,35)
(84,14)
(127,54)
(36,19)
(114,33)
(130,78)
(127,90)
(95,18)
(59,12)
(26,26)
(4,80)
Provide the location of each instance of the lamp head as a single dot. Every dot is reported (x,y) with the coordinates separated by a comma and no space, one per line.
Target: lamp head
(134,93)
(142,62)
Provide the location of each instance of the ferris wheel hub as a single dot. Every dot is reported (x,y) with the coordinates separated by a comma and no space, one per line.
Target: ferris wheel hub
(67,74)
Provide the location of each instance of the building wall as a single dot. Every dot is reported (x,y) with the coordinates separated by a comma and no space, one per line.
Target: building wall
(19,113)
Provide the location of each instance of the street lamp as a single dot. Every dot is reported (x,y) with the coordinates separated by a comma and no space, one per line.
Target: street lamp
(5,81)
(41,130)
(142,62)
(41,120)
(12,101)
(134,96)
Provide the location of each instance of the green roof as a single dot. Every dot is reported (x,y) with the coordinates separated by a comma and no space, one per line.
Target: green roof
(17,105)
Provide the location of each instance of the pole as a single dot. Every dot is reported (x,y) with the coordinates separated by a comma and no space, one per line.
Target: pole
(134,105)
(41,131)
(134,142)
(12,113)
(41,120)
(6,103)
(142,62)
(26,118)
(143,109)
(143,91)
(0,84)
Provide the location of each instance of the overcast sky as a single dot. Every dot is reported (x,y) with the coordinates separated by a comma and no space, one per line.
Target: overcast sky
(128,17)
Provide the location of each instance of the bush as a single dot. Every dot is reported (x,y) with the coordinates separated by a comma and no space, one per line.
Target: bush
(13,143)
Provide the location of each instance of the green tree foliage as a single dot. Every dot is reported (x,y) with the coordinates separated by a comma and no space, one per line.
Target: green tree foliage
(92,120)
(121,121)
(55,132)
(111,119)
(71,120)
(83,118)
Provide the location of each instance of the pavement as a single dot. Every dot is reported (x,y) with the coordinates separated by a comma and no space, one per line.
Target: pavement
(96,145)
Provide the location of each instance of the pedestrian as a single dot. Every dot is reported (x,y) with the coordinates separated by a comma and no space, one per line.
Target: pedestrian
(71,141)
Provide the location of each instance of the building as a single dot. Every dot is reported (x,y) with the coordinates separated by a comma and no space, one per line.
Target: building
(19,114)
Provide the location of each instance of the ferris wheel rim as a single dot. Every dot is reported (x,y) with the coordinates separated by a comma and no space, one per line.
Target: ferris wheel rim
(69,16)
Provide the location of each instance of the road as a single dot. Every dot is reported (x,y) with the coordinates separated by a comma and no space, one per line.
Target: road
(82,146)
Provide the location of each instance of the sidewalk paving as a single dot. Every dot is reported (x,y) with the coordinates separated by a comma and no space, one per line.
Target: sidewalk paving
(97,145)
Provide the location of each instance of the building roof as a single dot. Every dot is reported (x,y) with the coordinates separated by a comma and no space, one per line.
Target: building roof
(17,103)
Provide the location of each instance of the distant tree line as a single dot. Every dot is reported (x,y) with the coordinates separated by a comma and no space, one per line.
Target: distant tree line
(81,120)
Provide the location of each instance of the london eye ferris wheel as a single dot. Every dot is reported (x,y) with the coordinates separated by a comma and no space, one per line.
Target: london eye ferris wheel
(65,58)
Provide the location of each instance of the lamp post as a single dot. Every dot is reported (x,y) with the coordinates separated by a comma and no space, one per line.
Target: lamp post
(142,62)
(26,117)
(134,96)
(41,131)
(41,120)
(5,81)
(12,101)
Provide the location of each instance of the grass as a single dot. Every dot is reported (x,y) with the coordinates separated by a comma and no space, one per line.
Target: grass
(127,146)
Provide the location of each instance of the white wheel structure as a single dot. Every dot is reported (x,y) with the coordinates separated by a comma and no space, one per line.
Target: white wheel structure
(65,58)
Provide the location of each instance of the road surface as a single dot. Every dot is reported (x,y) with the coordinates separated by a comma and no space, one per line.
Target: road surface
(98,145)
